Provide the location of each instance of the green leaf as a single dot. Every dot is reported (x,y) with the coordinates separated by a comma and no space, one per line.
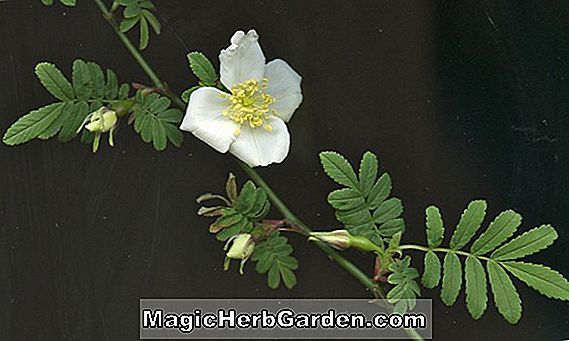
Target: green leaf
(97,81)
(367,172)
(144,35)
(452,279)
(170,115)
(202,68)
(380,191)
(77,114)
(289,279)
(274,278)
(528,243)
(146,4)
(56,125)
(174,134)
(469,223)
(158,135)
(435,226)
(502,228)
(506,296)
(30,126)
(345,199)
(391,227)
(132,10)
(127,24)
(389,209)
(47,2)
(70,3)
(405,290)
(546,281)
(274,255)
(395,241)
(246,199)
(353,208)
(186,94)
(152,20)
(54,81)
(112,86)
(432,271)
(124,91)
(146,129)
(155,108)
(339,169)
(82,80)
(476,298)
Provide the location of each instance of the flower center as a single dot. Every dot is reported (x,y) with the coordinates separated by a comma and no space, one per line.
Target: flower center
(249,105)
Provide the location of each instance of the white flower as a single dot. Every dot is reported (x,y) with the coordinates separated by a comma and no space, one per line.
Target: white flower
(249,121)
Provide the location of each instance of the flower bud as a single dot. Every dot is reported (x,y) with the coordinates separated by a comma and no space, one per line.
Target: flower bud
(342,239)
(242,247)
(338,239)
(102,121)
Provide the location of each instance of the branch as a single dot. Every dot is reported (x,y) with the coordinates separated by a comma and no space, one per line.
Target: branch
(279,204)
(138,57)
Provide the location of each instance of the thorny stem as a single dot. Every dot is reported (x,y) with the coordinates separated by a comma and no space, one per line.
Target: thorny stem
(277,202)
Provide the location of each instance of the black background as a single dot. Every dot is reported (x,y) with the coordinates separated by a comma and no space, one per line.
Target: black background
(459,100)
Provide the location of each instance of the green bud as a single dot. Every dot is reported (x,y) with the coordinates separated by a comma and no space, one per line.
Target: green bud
(242,247)
(342,239)
(102,121)
(122,107)
(338,239)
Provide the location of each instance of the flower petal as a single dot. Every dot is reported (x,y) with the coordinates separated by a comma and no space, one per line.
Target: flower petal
(259,147)
(284,85)
(242,60)
(204,118)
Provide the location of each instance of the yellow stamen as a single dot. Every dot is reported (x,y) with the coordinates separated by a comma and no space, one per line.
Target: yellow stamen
(249,105)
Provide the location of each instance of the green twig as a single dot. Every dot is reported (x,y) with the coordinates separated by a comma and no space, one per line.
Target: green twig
(107,14)
(289,215)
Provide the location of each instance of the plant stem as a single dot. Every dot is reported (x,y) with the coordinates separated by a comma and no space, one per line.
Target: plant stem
(439,249)
(289,215)
(279,204)
(137,56)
